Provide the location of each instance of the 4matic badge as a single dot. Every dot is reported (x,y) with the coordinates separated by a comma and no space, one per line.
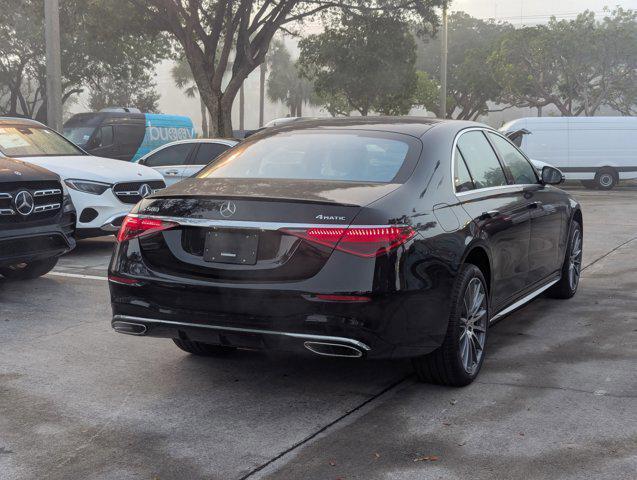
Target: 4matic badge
(329,217)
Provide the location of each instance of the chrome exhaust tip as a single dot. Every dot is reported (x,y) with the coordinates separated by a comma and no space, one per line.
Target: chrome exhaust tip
(129,328)
(333,349)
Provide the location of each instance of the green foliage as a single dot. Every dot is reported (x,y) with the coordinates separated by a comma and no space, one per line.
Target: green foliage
(138,92)
(99,39)
(577,65)
(427,92)
(366,62)
(470,80)
(285,83)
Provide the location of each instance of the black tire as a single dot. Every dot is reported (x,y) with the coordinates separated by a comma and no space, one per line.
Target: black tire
(565,288)
(444,366)
(606,179)
(29,271)
(203,349)
(589,184)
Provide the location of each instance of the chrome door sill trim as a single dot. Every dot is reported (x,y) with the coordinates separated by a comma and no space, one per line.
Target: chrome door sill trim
(522,301)
(303,336)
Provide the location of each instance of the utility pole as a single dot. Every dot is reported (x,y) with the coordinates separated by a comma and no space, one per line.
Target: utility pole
(242,108)
(53,64)
(443,64)
(262,93)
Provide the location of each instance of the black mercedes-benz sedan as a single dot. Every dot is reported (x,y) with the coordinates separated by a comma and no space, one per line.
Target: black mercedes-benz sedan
(37,220)
(357,237)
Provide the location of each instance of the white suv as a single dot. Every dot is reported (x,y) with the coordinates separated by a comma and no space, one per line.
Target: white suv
(102,189)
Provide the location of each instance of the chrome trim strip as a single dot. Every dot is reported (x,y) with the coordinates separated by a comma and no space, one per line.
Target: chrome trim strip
(205,222)
(44,193)
(303,336)
(522,301)
(6,195)
(46,208)
(6,211)
(311,347)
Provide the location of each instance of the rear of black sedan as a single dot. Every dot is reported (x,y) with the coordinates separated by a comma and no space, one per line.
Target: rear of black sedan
(358,237)
(300,238)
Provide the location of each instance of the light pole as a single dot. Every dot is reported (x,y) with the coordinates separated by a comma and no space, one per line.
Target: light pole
(443,64)
(53,64)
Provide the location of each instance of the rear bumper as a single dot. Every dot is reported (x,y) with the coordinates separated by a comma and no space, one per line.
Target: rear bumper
(394,325)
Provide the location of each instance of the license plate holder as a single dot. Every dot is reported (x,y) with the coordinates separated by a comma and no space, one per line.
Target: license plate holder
(236,247)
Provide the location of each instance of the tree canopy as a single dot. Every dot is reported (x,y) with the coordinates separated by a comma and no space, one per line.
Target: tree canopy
(219,36)
(368,61)
(576,65)
(128,48)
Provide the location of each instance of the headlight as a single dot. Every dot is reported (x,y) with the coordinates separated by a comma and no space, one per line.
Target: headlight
(88,186)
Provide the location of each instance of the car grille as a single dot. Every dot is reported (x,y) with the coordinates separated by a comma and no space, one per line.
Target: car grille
(47,200)
(132,192)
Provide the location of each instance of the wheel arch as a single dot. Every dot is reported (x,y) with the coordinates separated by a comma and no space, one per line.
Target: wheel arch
(479,256)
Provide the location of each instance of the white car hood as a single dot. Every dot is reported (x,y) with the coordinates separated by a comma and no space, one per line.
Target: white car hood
(99,169)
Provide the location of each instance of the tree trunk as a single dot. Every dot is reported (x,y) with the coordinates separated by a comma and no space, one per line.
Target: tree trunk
(299,109)
(204,119)
(242,108)
(539,110)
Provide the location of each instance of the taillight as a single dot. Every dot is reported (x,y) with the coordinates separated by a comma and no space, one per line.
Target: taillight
(136,227)
(361,241)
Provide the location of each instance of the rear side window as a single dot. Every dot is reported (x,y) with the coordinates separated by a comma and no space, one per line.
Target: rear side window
(208,152)
(462,178)
(520,168)
(175,155)
(312,155)
(482,163)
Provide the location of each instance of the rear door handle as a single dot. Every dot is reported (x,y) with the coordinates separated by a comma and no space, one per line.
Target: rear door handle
(171,172)
(489,214)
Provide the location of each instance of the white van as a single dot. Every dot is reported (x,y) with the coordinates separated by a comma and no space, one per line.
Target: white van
(599,151)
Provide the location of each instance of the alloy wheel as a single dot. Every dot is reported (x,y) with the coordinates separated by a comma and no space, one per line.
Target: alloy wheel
(473,325)
(575,260)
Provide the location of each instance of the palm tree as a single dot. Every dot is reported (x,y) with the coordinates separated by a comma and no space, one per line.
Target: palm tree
(285,84)
(182,76)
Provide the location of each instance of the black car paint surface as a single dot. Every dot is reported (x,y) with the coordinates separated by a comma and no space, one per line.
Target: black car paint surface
(35,235)
(398,301)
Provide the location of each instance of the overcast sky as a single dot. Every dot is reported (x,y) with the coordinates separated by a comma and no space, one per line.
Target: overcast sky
(534,11)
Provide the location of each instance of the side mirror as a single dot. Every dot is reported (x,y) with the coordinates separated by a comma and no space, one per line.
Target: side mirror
(552,176)
(141,161)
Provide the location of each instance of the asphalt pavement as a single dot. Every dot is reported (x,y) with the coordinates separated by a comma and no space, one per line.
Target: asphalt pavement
(556,398)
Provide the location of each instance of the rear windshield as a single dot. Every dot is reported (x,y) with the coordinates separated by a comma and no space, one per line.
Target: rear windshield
(31,141)
(303,155)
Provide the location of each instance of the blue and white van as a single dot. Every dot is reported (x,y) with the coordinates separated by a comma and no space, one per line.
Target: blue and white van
(126,133)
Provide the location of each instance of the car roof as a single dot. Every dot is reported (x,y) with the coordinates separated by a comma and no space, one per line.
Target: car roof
(407,125)
(20,121)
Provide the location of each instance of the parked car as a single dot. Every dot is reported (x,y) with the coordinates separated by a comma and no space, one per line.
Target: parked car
(125,134)
(598,151)
(356,237)
(102,189)
(182,159)
(37,220)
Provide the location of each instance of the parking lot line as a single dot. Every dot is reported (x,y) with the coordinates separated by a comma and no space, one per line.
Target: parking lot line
(77,275)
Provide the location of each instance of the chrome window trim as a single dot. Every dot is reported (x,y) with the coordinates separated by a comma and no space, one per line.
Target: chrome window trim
(205,222)
(453,163)
(303,336)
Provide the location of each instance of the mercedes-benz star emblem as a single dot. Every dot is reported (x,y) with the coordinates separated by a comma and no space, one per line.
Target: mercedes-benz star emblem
(24,203)
(144,190)
(227,209)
